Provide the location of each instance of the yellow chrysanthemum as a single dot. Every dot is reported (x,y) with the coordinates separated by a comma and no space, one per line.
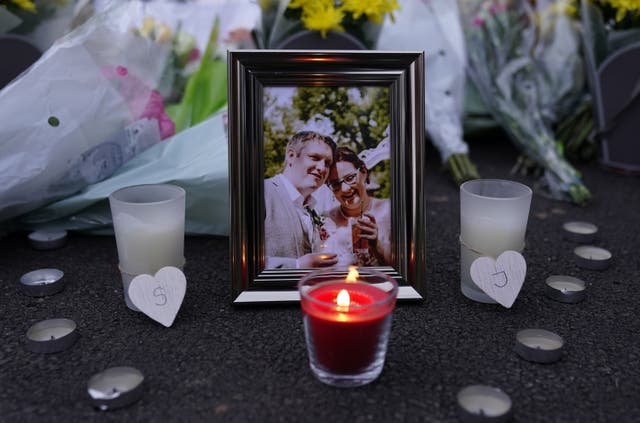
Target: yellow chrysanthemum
(322,16)
(624,7)
(27,5)
(374,10)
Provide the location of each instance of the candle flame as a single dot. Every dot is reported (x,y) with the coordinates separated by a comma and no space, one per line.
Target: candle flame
(353,274)
(343,299)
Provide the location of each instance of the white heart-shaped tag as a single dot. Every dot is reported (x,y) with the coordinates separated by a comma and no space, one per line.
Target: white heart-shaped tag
(500,279)
(159,296)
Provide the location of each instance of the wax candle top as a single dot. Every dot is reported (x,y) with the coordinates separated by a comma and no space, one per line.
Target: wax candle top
(580,227)
(565,289)
(539,345)
(339,298)
(592,253)
(540,338)
(483,403)
(566,283)
(50,336)
(47,240)
(112,382)
(591,257)
(115,387)
(42,282)
(334,294)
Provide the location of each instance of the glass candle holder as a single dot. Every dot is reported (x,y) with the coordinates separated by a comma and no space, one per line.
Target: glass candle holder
(148,221)
(493,219)
(347,319)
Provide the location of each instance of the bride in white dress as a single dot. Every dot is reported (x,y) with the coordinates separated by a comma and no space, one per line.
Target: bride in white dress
(358,230)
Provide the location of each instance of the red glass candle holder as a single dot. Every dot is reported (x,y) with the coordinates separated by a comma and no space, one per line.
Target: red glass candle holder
(347,319)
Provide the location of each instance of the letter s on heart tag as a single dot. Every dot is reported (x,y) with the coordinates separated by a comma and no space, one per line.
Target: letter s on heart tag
(159,296)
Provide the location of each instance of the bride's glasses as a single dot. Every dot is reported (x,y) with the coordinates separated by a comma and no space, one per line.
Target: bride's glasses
(351,179)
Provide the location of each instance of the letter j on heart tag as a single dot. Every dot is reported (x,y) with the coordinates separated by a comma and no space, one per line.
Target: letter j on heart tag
(500,279)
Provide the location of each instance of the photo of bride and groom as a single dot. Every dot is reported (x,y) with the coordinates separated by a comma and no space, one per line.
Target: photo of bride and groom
(327,177)
(301,231)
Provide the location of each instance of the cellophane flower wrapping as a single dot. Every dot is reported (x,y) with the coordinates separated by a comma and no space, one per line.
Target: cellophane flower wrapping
(66,121)
(526,65)
(100,96)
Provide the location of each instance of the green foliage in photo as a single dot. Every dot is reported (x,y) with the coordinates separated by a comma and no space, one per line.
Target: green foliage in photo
(356,117)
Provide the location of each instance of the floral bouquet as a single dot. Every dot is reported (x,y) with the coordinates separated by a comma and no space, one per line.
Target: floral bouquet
(184,54)
(529,73)
(361,19)
(82,123)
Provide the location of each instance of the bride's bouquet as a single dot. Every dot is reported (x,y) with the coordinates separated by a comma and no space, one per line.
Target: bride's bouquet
(527,67)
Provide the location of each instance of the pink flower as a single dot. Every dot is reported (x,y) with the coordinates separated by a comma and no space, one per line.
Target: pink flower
(477,21)
(143,102)
(155,110)
(194,54)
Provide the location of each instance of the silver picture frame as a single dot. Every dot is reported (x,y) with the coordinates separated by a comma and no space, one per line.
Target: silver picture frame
(249,73)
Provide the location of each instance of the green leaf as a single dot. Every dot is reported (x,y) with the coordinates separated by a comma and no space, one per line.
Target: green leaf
(462,168)
(205,91)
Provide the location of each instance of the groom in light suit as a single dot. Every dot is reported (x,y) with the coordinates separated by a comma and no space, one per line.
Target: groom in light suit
(289,203)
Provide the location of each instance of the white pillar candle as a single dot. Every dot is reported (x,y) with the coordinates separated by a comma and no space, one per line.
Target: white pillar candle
(147,247)
(493,219)
(148,221)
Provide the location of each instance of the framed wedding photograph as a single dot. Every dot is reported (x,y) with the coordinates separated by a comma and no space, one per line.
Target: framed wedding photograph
(326,168)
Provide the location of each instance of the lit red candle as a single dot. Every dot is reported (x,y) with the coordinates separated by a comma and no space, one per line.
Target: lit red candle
(347,321)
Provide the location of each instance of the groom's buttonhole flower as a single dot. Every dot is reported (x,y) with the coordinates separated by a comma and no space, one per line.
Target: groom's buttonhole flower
(316,219)
(53,121)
